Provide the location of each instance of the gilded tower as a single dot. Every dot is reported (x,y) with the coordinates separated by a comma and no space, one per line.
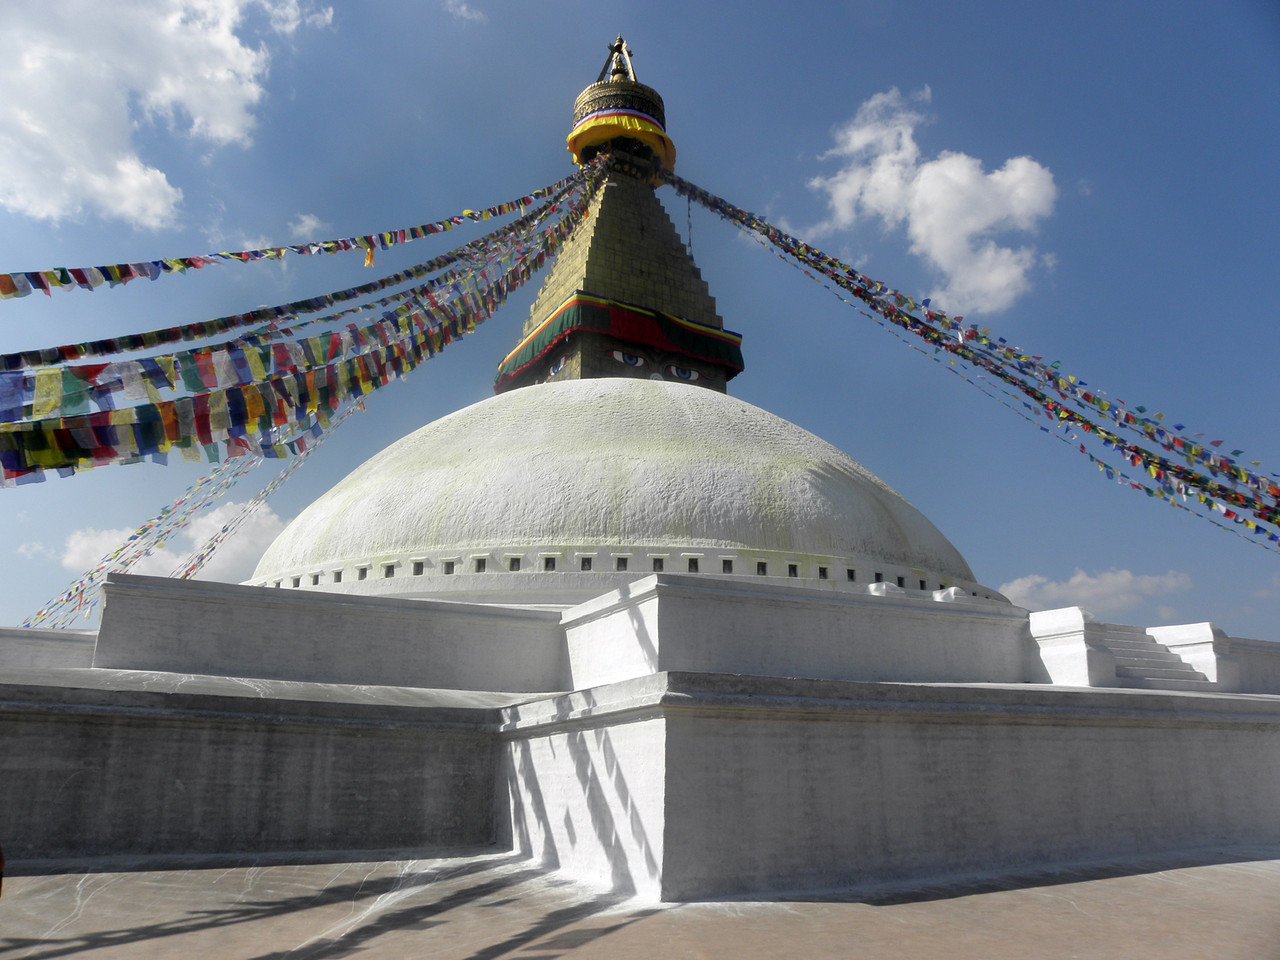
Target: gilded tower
(624,298)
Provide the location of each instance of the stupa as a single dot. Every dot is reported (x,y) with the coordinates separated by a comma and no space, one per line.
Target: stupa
(638,631)
(611,450)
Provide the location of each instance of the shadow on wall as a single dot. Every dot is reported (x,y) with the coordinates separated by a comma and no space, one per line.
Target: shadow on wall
(646,643)
(598,793)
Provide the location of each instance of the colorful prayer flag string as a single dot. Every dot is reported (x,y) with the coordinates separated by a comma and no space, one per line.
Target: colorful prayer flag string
(195,563)
(49,391)
(80,598)
(65,353)
(314,386)
(1021,408)
(1204,470)
(24,283)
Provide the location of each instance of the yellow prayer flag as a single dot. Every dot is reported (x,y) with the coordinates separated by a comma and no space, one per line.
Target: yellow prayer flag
(219,419)
(254,408)
(48,392)
(253,356)
(49,455)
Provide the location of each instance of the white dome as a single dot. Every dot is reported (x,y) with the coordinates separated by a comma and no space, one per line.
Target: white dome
(604,469)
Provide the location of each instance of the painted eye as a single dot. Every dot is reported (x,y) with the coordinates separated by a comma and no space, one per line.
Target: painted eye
(630,359)
(683,373)
(557,366)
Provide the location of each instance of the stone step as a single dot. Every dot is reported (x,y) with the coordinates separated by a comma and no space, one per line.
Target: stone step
(1122,630)
(1140,683)
(1154,657)
(1133,643)
(1160,673)
(1164,672)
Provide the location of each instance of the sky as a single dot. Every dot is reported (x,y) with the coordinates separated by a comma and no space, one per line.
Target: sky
(1094,181)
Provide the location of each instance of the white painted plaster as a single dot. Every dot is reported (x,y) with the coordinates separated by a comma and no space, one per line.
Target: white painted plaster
(588,798)
(159,766)
(1233,663)
(692,623)
(1070,649)
(184,626)
(1201,645)
(736,785)
(860,783)
(1248,666)
(609,467)
(27,648)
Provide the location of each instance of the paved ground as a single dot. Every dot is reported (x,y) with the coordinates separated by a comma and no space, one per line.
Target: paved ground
(495,905)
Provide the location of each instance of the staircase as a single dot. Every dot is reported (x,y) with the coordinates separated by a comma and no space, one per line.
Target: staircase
(1143,663)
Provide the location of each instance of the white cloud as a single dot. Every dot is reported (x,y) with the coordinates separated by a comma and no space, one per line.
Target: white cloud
(307,226)
(1261,593)
(287,15)
(260,242)
(952,209)
(34,549)
(86,547)
(80,77)
(1106,593)
(233,561)
(237,556)
(464,11)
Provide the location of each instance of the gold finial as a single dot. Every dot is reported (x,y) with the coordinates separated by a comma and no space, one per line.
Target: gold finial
(620,111)
(618,65)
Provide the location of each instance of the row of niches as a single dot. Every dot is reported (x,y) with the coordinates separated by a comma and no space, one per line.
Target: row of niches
(720,563)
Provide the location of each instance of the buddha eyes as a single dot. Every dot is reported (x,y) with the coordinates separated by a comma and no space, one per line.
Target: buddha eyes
(630,359)
(557,366)
(670,371)
(682,373)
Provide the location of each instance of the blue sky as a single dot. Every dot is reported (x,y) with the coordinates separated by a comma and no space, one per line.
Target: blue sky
(1094,181)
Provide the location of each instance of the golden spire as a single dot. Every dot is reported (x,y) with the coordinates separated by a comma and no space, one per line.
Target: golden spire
(617,110)
(624,297)
(618,66)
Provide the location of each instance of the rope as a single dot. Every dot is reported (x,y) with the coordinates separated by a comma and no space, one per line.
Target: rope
(1027,374)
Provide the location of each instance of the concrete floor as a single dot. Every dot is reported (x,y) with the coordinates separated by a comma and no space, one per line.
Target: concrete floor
(464,904)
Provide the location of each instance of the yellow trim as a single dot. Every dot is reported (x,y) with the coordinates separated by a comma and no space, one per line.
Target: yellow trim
(574,298)
(601,129)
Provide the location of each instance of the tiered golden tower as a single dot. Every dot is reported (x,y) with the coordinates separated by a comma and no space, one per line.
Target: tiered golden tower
(624,298)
